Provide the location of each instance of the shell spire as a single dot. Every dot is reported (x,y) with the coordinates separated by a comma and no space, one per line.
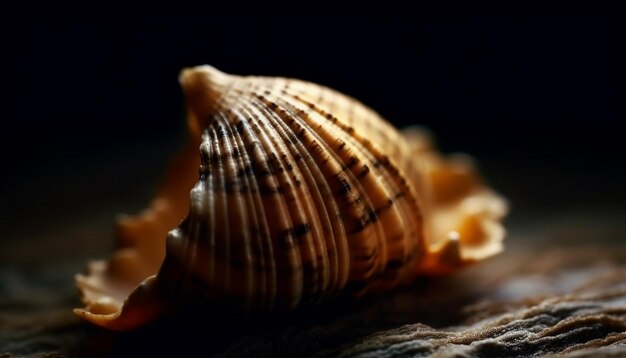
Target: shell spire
(204,88)
(287,194)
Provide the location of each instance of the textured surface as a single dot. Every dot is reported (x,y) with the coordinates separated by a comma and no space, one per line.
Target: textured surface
(551,291)
(565,311)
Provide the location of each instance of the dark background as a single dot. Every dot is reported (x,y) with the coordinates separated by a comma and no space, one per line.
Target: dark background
(94,111)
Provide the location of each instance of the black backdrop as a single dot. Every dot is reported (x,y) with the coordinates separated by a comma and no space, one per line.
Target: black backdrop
(535,99)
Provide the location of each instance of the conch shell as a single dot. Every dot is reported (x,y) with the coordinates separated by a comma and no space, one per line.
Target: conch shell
(303,193)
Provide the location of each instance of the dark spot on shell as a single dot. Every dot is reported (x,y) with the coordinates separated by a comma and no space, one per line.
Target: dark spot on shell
(352,161)
(373,217)
(245,171)
(364,171)
(359,224)
(345,188)
(300,229)
(239,126)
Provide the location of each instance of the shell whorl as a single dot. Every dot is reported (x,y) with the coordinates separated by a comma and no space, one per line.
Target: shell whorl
(298,202)
(303,193)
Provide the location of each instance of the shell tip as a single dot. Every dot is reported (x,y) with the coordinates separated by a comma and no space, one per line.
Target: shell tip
(203,87)
(188,76)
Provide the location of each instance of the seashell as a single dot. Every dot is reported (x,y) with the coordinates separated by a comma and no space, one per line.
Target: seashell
(303,194)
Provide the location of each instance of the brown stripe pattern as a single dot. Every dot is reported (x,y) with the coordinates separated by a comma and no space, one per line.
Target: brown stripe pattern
(293,202)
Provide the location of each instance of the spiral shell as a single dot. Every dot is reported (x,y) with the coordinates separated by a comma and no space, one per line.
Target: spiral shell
(303,193)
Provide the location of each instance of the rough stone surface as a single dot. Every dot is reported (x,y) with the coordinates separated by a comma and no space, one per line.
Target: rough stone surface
(558,289)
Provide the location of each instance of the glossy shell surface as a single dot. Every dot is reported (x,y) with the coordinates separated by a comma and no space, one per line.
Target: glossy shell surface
(288,193)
